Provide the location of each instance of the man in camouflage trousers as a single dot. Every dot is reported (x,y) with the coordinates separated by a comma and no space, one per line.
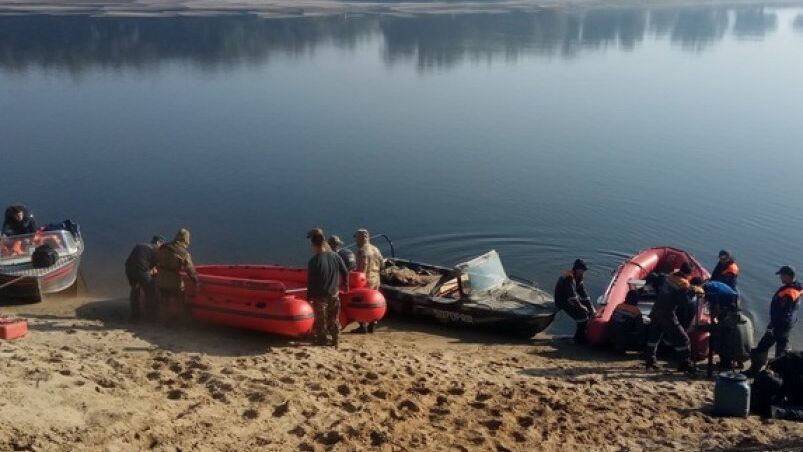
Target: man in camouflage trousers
(171,260)
(370,262)
(326,273)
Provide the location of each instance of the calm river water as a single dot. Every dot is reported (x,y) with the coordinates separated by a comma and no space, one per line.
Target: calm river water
(546,136)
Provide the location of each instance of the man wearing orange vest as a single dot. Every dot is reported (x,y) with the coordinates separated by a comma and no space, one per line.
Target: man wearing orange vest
(783,315)
(726,271)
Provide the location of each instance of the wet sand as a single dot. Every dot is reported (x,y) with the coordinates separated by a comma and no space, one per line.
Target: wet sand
(85,379)
(294,8)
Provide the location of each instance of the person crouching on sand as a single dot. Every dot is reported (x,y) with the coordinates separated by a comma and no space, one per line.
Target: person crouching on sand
(326,273)
(172,259)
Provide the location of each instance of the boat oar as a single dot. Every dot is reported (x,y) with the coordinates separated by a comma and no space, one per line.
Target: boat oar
(13,281)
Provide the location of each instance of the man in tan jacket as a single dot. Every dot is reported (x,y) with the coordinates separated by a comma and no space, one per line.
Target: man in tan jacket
(370,262)
(171,260)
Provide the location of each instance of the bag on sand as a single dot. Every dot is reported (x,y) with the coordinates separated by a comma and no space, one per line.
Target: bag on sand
(736,340)
(44,256)
(766,390)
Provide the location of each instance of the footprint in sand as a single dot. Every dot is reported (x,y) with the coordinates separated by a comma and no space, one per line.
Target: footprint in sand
(422,390)
(176,394)
(329,438)
(409,405)
(482,396)
(525,421)
(518,437)
(344,390)
(492,424)
(380,394)
(298,430)
(250,414)
(175,367)
(378,438)
(456,390)
(349,407)
(256,397)
(281,409)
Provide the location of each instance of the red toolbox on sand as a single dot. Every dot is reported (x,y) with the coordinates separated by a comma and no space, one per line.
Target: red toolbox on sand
(11,328)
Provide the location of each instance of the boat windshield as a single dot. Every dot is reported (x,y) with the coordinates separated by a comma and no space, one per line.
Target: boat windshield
(484,273)
(19,248)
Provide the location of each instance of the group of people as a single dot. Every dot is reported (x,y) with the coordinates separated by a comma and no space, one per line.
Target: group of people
(328,272)
(154,272)
(676,298)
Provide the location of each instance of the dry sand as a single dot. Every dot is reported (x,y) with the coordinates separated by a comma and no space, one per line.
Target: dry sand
(85,379)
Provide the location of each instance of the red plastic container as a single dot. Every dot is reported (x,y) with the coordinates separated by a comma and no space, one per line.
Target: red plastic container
(12,328)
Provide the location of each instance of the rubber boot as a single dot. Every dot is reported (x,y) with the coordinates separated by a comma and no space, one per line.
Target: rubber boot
(363,329)
(371,327)
(757,362)
(688,367)
(650,363)
(580,334)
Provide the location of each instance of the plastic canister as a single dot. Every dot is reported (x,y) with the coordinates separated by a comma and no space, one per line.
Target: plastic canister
(731,395)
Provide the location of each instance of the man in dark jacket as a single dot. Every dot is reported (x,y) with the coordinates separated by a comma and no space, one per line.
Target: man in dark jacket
(346,254)
(571,296)
(675,293)
(139,269)
(18,221)
(726,270)
(326,273)
(171,260)
(783,315)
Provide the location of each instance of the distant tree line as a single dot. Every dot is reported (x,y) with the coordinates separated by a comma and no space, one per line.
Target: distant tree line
(75,43)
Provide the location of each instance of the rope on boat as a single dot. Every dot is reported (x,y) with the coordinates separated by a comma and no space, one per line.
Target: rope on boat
(303,289)
(13,281)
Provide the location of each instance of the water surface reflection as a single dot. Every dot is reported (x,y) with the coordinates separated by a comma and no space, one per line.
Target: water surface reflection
(77,43)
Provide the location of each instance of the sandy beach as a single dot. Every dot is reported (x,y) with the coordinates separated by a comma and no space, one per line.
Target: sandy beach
(86,379)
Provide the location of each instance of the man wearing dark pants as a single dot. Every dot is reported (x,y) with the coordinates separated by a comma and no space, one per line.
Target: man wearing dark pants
(676,293)
(326,273)
(783,315)
(139,270)
(571,296)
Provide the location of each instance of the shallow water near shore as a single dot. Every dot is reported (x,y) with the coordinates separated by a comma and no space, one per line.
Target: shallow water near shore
(546,135)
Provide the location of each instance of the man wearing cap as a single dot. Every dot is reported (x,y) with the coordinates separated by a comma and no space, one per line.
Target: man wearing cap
(783,315)
(571,296)
(139,269)
(726,271)
(171,260)
(370,262)
(346,254)
(326,273)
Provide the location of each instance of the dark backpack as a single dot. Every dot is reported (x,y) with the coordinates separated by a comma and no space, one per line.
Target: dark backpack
(44,256)
(766,390)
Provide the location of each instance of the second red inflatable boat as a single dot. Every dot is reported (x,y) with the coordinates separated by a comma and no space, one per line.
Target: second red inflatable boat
(273,299)
(659,259)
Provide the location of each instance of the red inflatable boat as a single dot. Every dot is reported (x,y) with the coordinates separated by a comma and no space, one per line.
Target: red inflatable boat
(659,259)
(273,299)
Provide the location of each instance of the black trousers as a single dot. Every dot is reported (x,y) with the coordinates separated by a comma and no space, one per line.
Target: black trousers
(140,283)
(779,337)
(667,325)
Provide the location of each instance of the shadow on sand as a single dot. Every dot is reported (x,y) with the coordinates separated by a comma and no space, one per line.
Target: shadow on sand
(193,338)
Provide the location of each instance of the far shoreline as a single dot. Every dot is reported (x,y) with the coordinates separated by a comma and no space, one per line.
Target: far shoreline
(312,8)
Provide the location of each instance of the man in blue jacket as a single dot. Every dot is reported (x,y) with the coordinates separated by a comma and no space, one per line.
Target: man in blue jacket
(783,315)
